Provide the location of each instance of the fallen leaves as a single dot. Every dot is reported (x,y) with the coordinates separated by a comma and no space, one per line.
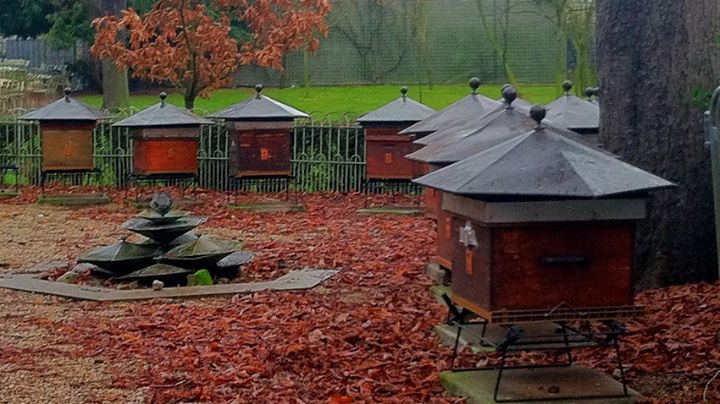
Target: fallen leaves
(363,336)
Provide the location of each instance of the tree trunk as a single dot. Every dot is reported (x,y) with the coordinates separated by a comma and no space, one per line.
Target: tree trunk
(116,93)
(190,101)
(653,58)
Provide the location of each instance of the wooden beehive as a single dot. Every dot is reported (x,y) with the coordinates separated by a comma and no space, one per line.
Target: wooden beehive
(66,128)
(544,228)
(385,146)
(165,151)
(67,146)
(165,140)
(260,131)
(260,149)
(525,259)
(386,150)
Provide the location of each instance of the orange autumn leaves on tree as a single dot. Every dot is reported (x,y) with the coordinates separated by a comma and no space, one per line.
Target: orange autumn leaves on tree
(188,43)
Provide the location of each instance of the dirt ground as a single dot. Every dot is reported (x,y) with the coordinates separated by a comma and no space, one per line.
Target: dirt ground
(364,336)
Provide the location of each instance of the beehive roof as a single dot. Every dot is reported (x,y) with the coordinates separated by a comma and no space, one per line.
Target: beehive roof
(259,107)
(65,109)
(401,110)
(162,114)
(542,163)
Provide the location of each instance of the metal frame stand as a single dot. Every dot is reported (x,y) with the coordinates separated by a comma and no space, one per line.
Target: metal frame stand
(153,179)
(4,168)
(238,181)
(566,338)
(369,181)
(74,173)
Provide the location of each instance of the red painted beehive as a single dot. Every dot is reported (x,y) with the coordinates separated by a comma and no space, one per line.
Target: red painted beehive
(452,144)
(165,140)
(260,131)
(544,228)
(66,128)
(385,147)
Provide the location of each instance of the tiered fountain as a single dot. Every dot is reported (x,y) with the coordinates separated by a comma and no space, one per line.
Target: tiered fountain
(171,252)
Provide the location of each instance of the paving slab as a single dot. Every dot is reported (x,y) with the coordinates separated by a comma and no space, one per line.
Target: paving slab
(400,211)
(573,384)
(8,194)
(294,280)
(438,274)
(74,199)
(272,207)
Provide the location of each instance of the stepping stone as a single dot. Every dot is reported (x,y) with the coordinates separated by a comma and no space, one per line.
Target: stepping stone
(8,193)
(400,211)
(74,199)
(547,385)
(271,207)
(294,280)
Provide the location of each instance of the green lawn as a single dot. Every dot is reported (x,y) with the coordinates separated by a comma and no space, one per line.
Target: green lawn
(351,100)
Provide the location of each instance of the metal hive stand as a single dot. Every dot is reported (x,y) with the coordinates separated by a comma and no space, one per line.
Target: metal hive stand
(78,176)
(542,336)
(236,183)
(186,180)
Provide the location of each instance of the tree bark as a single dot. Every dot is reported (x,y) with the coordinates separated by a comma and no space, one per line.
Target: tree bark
(115,89)
(654,57)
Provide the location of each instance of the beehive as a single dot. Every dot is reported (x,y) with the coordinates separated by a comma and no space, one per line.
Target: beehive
(66,128)
(544,228)
(260,131)
(385,147)
(165,140)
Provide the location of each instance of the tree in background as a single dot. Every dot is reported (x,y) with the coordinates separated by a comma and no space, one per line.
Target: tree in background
(380,31)
(501,12)
(575,21)
(24,18)
(197,45)
(653,56)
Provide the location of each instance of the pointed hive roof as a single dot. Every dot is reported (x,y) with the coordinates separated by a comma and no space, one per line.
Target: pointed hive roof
(259,107)
(65,109)
(162,114)
(542,163)
(573,112)
(472,105)
(401,110)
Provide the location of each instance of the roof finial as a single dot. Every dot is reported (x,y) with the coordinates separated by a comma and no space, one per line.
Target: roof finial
(567,86)
(589,92)
(258,90)
(67,92)
(403,92)
(537,113)
(509,94)
(596,92)
(163,97)
(474,84)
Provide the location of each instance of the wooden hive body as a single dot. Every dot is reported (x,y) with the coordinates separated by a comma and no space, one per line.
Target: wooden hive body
(386,150)
(67,145)
(526,259)
(260,149)
(165,150)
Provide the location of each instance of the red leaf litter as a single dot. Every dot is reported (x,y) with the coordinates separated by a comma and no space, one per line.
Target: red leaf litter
(363,336)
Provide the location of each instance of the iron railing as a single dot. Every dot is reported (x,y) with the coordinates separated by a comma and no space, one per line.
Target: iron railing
(327,156)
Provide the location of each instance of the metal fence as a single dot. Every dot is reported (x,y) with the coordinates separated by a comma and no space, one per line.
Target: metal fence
(327,156)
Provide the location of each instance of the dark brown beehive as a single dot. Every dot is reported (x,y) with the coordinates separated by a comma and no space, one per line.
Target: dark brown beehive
(66,128)
(385,147)
(165,140)
(260,131)
(544,228)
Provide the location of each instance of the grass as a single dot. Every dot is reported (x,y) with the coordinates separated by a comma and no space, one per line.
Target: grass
(336,101)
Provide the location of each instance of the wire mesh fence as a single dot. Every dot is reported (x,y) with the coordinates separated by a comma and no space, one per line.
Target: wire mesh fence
(327,156)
